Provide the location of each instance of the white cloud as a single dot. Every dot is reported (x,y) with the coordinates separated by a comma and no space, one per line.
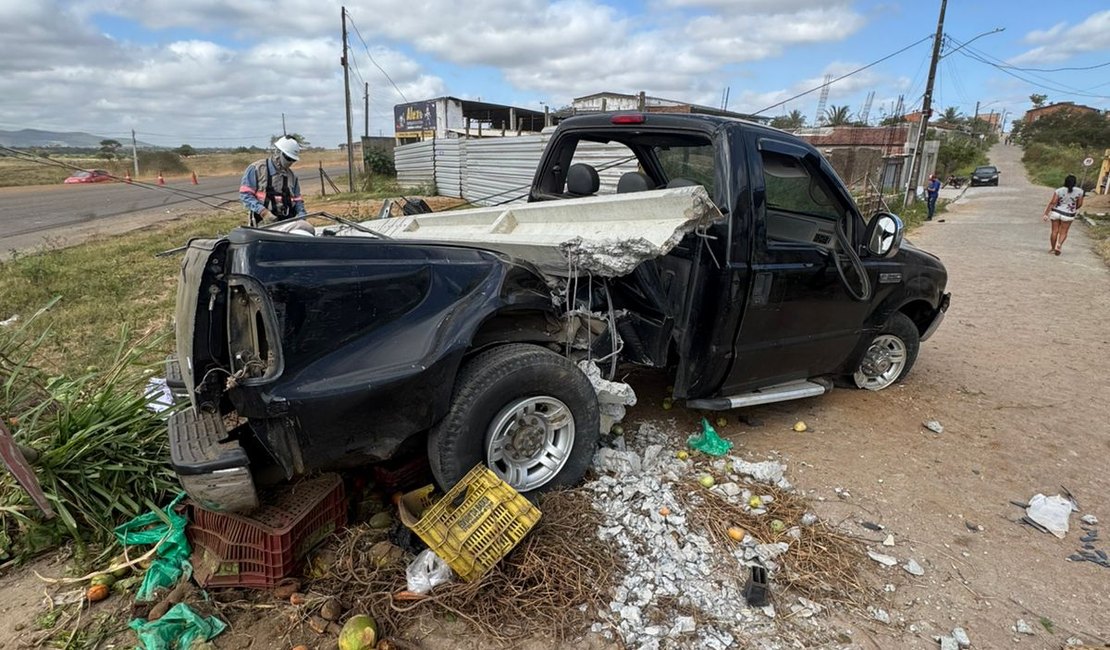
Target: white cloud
(1060,42)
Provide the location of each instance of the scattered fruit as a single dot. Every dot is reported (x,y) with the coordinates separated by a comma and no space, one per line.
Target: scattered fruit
(737,533)
(778,525)
(97,593)
(300,647)
(331,609)
(682,454)
(707,481)
(799,426)
(381,521)
(297,598)
(755,502)
(287,588)
(123,571)
(106,579)
(359,633)
(722,421)
(664,511)
(668,404)
(386,553)
(616,430)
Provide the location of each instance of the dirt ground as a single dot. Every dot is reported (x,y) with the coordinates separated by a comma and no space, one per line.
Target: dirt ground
(1017,377)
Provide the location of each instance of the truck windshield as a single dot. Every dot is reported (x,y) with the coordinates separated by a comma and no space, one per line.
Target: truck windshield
(694,163)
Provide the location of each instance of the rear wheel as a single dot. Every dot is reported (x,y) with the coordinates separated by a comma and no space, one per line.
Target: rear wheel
(527,413)
(890,355)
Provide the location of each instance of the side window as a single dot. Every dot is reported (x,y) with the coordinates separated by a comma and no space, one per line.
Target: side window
(799,208)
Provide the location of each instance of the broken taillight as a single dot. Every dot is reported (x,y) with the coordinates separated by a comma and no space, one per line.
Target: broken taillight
(628,118)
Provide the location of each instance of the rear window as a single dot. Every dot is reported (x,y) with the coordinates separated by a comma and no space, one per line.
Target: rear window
(693,163)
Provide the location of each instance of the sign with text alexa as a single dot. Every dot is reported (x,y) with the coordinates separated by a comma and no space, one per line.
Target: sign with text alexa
(414,120)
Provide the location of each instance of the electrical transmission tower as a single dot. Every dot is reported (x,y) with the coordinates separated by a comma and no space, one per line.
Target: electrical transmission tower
(866,112)
(821,102)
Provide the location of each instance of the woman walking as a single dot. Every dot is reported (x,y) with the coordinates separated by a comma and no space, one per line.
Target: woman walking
(1061,211)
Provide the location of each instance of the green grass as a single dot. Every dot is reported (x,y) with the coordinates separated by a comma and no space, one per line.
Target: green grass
(101,286)
(1048,165)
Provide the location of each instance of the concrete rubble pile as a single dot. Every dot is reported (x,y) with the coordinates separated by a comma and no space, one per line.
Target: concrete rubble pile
(673,568)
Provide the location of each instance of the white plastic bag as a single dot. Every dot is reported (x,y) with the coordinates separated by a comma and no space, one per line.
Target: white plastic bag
(1050,512)
(427,572)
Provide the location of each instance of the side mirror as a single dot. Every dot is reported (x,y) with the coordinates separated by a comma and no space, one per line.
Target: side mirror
(884,235)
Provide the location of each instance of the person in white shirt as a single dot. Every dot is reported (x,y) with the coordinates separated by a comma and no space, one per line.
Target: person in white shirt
(1061,211)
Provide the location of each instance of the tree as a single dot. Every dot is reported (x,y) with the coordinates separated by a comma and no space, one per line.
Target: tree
(296,136)
(838,115)
(185,151)
(792,122)
(1089,130)
(109,148)
(1038,99)
(951,115)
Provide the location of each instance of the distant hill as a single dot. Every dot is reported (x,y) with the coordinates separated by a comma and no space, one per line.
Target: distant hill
(72,139)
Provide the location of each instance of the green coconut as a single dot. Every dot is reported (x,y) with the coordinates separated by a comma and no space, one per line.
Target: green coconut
(359,633)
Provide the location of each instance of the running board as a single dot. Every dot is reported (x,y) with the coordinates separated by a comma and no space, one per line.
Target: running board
(779,393)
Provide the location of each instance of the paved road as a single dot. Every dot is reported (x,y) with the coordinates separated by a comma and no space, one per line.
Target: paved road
(42,209)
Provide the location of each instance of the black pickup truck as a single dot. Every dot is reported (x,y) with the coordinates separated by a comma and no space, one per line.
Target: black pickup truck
(305,353)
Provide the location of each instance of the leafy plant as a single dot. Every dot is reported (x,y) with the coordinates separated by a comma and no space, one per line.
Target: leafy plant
(99,450)
(379,161)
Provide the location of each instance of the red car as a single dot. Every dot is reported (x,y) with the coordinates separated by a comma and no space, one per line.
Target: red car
(89,176)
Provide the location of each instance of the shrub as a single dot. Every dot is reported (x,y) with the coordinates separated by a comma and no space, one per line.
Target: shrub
(163,161)
(379,161)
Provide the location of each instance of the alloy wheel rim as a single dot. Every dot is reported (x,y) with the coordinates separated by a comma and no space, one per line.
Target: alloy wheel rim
(882,363)
(530,441)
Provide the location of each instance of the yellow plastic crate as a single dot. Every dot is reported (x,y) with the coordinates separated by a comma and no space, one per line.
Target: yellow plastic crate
(474,525)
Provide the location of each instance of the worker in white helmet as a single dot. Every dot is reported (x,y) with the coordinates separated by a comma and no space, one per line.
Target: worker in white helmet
(269,189)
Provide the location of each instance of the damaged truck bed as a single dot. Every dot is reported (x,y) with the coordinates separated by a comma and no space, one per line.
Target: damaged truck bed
(734,259)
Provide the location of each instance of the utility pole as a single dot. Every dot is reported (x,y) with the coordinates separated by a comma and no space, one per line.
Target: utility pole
(135,153)
(284,131)
(926,108)
(347,104)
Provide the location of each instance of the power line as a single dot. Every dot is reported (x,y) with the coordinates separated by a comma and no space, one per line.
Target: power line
(844,76)
(371,56)
(1003,67)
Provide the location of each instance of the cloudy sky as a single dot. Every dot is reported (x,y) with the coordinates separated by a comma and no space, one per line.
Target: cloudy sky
(219,73)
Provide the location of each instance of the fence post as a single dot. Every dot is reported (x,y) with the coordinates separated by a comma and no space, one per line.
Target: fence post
(323,190)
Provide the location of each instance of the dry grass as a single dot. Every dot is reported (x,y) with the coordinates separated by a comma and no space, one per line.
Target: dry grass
(548,587)
(821,564)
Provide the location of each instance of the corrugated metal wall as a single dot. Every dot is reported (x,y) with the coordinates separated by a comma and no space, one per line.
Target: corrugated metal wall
(449,155)
(415,164)
(501,171)
(495,171)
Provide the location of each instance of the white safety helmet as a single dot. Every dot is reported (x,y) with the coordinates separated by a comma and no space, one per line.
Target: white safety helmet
(288,146)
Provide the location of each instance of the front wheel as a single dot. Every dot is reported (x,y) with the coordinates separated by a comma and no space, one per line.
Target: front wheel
(527,413)
(890,355)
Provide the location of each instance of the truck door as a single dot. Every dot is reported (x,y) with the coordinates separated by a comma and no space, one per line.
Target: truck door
(799,320)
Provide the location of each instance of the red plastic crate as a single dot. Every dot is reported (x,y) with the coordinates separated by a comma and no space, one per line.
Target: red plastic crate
(261,548)
(393,476)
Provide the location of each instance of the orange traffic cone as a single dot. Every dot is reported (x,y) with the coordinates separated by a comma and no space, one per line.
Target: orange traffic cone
(161,180)
(195,179)
(126,177)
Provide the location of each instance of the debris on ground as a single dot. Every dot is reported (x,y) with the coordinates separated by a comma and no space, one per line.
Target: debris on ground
(1021,627)
(889,541)
(709,442)
(1090,520)
(1050,513)
(962,639)
(934,426)
(882,558)
(913,568)
(612,396)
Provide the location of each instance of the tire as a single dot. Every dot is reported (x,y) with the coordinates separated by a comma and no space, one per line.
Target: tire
(524,411)
(890,355)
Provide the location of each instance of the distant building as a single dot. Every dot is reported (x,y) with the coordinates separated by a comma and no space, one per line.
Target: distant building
(1034,114)
(875,155)
(606,102)
(451,117)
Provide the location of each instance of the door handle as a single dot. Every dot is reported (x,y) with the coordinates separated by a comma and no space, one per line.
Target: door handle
(761,288)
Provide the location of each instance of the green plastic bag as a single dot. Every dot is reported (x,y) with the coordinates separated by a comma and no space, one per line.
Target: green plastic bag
(709,442)
(171,562)
(178,629)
